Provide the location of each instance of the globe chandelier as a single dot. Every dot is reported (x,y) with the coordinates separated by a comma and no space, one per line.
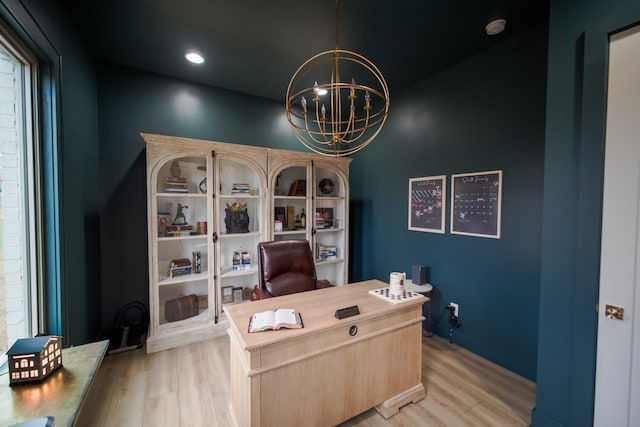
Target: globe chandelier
(334,117)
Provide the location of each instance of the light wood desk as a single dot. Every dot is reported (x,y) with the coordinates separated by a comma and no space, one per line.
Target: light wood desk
(61,394)
(325,373)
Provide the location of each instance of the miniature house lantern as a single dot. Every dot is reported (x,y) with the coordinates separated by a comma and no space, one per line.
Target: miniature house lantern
(34,359)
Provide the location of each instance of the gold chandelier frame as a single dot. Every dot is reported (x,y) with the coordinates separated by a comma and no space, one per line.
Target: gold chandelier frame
(356,112)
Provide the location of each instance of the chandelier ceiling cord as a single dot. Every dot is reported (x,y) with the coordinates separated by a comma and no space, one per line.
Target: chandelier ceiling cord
(337,118)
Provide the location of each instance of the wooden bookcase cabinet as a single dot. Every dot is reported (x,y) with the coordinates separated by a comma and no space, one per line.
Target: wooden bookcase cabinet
(208,171)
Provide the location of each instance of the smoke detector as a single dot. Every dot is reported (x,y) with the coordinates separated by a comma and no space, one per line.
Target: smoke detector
(495,27)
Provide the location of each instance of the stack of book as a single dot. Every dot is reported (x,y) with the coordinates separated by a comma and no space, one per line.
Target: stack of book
(321,222)
(177,230)
(174,184)
(327,252)
(240,188)
(179,267)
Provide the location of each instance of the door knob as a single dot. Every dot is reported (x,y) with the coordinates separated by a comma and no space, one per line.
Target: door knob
(614,312)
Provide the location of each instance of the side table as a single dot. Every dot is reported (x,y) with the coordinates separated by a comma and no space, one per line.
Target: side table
(425,290)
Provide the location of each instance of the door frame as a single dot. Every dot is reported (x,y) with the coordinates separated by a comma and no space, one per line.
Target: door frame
(591,161)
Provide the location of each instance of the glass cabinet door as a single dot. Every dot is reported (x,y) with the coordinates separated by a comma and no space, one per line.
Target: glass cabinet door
(239,225)
(290,217)
(184,262)
(329,218)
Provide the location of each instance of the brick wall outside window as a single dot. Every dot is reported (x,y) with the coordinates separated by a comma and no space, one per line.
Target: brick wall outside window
(13,287)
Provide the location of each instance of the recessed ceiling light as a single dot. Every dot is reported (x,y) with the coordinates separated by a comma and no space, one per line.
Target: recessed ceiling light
(194,57)
(495,27)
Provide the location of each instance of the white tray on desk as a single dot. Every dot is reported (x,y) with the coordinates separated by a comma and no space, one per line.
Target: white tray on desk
(385,294)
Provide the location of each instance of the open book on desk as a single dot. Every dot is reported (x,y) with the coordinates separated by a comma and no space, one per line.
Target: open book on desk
(275,319)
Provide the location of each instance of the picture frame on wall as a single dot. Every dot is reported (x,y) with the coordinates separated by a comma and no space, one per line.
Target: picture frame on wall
(476,204)
(427,200)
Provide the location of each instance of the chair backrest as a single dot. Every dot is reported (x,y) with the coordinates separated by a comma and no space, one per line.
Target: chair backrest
(286,267)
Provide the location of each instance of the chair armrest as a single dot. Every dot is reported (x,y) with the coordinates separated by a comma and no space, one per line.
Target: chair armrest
(323,284)
(258,294)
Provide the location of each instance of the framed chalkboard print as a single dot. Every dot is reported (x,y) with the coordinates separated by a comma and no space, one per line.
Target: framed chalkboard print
(476,204)
(427,203)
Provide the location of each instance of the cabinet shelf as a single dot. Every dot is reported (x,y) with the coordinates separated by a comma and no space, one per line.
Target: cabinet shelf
(193,277)
(182,195)
(321,262)
(290,197)
(202,316)
(288,232)
(329,230)
(173,239)
(238,235)
(239,196)
(230,272)
(336,198)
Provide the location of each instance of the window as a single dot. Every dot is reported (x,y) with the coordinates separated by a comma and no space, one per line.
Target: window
(20,228)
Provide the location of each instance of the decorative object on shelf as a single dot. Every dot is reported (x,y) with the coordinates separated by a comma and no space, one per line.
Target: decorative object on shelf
(196,262)
(175,169)
(351,115)
(201,227)
(237,260)
(227,294)
(203,186)
(246,293)
(246,260)
(203,302)
(181,308)
(180,218)
(325,186)
(236,218)
(163,222)
(34,359)
(278,190)
(237,294)
(427,203)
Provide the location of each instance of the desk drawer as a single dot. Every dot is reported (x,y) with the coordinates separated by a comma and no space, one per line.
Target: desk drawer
(328,339)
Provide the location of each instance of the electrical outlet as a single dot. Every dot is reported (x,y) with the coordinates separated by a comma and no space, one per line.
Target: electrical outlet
(456,311)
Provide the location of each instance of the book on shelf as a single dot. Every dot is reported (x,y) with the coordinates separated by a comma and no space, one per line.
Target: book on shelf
(275,319)
(175,185)
(291,218)
(327,252)
(298,188)
(240,188)
(280,213)
(324,218)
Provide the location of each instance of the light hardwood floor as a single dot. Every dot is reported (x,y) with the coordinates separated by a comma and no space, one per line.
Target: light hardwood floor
(189,386)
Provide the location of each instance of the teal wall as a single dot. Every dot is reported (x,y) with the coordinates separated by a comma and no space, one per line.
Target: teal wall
(483,114)
(572,208)
(71,90)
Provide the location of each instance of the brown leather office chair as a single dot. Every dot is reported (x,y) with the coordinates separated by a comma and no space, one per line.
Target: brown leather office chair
(285,267)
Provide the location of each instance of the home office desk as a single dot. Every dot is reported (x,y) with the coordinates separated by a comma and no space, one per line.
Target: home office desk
(60,395)
(330,370)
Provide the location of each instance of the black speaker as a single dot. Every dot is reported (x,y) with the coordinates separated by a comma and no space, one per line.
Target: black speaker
(419,274)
